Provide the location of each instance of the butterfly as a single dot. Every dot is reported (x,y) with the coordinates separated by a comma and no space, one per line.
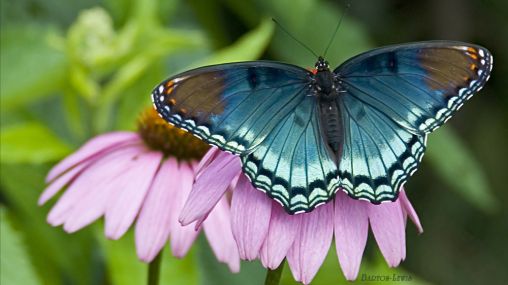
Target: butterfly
(303,134)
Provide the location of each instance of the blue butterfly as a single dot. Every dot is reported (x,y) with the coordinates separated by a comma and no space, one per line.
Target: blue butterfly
(301,135)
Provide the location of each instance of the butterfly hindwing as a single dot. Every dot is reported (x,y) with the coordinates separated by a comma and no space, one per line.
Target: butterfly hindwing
(378,155)
(418,85)
(293,164)
(232,106)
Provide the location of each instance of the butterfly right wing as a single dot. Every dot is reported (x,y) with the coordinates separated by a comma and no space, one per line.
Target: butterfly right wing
(232,106)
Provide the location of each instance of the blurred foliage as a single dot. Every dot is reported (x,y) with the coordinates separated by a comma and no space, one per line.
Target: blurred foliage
(73,69)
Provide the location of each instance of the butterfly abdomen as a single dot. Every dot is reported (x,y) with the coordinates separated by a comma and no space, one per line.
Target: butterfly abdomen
(332,125)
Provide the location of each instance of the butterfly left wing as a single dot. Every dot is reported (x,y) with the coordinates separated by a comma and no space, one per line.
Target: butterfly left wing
(393,97)
(263,112)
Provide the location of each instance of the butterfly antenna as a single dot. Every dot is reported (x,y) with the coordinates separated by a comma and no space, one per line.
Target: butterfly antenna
(302,44)
(336,29)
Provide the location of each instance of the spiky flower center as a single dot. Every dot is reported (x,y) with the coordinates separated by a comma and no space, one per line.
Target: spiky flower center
(172,141)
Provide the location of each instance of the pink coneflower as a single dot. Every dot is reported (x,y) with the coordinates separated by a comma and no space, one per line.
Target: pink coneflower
(263,230)
(142,177)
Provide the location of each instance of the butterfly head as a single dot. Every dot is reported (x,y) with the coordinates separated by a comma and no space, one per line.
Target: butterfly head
(322,64)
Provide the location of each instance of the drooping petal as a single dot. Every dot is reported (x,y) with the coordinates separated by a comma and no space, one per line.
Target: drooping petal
(250,212)
(312,243)
(282,232)
(182,237)
(154,221)
(83,193)
(132,186)
(209,187)
(387,223)
(408,210)
(96,145)
(206,160)
(351,231)
(218,232)
(60,182)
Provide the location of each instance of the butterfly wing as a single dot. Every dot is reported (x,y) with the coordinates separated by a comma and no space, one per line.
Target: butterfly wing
(263,112)
(394,97)
(378,155)
(232,106)
(418,85)
(293,164)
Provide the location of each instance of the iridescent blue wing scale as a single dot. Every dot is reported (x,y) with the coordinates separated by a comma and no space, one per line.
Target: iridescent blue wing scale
(394,96)
(263,112)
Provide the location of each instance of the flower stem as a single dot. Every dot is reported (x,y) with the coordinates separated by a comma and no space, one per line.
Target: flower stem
(154,269)
(273,276)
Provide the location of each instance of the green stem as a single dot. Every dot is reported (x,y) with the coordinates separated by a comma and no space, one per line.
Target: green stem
(154,269)
(273,276)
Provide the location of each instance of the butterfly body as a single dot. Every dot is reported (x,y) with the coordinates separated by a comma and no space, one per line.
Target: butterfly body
(327,89)
(303,135)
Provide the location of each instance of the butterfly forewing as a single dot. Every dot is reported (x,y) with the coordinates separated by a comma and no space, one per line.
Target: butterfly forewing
(418,85)
(232,106)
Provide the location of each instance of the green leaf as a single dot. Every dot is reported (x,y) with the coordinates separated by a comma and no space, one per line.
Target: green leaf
(214,273)
(125,268)
(248,47)
(313,23)
(59,258)
(15,264)
(30,143)
(457,166)
(30,67)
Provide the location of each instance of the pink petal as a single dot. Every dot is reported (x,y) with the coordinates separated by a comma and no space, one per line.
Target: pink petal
(351,231)
(388,226)
(282,232)
(250,212)
(218,232)
(101,171)
(131,190)
(95,146)
(207,159)
(182,237)
(60,182)
(209,187)
(154,222)
(408,210)
(311,246)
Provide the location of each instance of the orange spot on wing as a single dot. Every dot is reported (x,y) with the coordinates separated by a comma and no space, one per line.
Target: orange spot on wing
(473,56)
(170,85)
(471,50)
(472,66)
(172,102)
(169,90)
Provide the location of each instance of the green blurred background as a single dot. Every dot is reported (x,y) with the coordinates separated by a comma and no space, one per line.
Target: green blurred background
(73,69)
